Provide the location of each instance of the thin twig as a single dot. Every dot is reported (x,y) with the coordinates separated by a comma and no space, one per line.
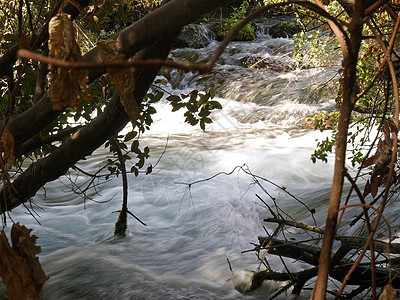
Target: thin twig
(368,242)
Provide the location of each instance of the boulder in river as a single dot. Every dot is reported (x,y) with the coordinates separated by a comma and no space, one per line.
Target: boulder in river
(284,29)
(193,36)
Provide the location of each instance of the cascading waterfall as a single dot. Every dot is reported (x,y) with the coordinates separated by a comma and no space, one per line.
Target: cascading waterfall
(191,232)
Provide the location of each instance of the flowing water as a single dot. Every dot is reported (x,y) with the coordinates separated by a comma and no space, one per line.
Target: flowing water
(192,231)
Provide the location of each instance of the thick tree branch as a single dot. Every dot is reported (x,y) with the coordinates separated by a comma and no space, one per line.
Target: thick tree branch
(172,16)
(88,138)
(38,141)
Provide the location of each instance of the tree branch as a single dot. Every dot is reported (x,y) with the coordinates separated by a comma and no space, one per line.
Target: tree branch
(174,15)
(88,138)
(38,141)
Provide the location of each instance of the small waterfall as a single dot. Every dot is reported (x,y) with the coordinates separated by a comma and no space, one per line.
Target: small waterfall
(284,95)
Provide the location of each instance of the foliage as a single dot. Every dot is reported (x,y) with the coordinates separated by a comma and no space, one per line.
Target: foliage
(323,149)
(314,49)
(370,58)
(198,105)
(247,33)
(322,121)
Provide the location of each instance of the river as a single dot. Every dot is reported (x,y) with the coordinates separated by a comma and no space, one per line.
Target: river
(191,233)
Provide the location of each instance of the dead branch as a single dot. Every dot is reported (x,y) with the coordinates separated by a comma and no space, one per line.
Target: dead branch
(295,224)
(310,254)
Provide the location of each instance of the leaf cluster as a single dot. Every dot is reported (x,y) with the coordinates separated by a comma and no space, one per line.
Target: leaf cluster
(247,33)
(198,106)
(314,49)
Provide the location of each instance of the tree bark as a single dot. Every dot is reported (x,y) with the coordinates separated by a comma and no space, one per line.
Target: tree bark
(346,107)
(87,139)
(145,32)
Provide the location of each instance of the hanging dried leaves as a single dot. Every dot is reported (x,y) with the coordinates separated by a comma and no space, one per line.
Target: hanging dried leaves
(19,267)
(66,82)
(388,293)
(123,79)
(7,147)
(381,159)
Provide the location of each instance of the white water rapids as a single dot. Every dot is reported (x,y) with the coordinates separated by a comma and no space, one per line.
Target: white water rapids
(182,252)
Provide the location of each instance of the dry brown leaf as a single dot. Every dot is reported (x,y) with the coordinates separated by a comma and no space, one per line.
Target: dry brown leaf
(19,267)
(381,160)
(122,78)
(367,189)
(65,82)
(374,186)
(108,51)
(7,147)
(388,293)
(25,245)
(369,161)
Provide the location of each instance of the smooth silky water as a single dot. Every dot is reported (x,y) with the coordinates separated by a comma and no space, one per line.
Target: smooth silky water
(193,230)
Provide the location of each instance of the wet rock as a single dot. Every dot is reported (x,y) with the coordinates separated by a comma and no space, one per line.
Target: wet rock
(284,29)
(192,36)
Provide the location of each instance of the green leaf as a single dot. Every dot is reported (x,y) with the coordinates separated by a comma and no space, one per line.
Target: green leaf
(191,107)
(212,93)
(174,98)
(158,96)
(215,105)
(123,146)
(140,163)
(176,108)
(162,81)
(166,73)
(203,98)
(193,58)
(135,146)
(194,122)
(204,112)
(77,116)
(146,150)
(135,171)
(206,120)
(193,96)
(202,125)
(151,110)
